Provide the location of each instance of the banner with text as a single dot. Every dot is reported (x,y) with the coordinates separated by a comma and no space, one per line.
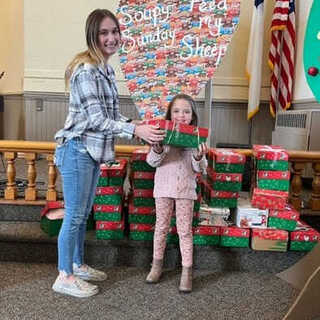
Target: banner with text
(171,47)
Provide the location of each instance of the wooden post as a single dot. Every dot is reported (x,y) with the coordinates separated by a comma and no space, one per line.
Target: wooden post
(31,191)
(296,185)
(315,195)
(10,192)
(52,177)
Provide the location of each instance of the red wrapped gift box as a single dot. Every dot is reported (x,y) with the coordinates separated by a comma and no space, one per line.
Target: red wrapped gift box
(109,190)
(117,169)
(305,234)
(228,177)
(278,175)
(269,199)
(51,205)
(289,213)
(218,194)
(141,227)
(110,225)
(140,154)
(181,127)
(107,208)
(265,152)
(143,193)
(143,175)
(269,239)
(226,156)
(207,230)
(141,210)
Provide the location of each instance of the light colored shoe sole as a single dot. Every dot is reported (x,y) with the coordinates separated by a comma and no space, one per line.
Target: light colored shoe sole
(86,278)
(65,291)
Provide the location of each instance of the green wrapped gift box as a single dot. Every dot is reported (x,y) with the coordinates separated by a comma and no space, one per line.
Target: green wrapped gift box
(180,134)
(276,165)
(142,232)
(110,181)
(114,199)
(274,184)
(234,237)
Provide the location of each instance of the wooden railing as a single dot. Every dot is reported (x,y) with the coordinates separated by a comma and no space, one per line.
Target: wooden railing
(30,150)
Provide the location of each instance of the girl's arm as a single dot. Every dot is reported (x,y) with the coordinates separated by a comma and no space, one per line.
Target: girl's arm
(199,160)
(156,155)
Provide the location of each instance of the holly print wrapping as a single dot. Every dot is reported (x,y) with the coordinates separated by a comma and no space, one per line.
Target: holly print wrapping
(234,237)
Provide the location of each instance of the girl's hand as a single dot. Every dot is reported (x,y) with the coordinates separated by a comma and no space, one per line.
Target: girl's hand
(149,133)
(201,151)
(157,147)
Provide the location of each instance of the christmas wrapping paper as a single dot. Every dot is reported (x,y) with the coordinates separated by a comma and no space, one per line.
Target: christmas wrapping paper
(140,154)
(234,237)
(110,181)
(141,210)
(266,152)
(172,236)
(206,236)
(275,175)
(180,134)
(142,232)
(142,218)
(112,199)
(277,165)
(269,199)
(220,155)
(107,216)
(114,174)
(285,219)
(51,217)
(141,165)
(110,230)
(303,238)
(109,190)
(143,180)
(273,184)
(269,239)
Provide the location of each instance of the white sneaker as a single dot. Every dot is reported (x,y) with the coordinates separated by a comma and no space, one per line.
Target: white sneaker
(87,273)
(77,288)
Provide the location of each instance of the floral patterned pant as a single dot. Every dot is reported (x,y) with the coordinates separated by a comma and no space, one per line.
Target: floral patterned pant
(184,214)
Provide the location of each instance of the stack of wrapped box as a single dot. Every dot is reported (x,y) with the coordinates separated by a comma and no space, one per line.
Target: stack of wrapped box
(108,202)
(141,213)
(270,192)
(272,177)
(224,178)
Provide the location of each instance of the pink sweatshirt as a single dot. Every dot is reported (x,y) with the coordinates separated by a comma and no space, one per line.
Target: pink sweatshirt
(175,175)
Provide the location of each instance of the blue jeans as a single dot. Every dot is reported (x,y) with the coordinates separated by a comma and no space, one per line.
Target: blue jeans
(80,174)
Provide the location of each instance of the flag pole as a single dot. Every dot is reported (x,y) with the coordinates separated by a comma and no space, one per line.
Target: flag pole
(208,95)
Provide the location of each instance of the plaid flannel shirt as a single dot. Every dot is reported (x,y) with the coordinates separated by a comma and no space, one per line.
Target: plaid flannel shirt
(94,114)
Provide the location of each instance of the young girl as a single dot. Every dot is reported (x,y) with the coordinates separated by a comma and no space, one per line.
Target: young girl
(175,184)
(87,140)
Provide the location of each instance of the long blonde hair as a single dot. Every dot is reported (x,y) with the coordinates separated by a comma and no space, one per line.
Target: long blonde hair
(93,54)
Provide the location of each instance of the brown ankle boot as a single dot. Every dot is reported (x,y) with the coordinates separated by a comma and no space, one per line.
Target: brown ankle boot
(155,272)
(186,280)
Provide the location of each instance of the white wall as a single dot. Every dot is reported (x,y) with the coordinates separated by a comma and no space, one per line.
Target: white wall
(11,46)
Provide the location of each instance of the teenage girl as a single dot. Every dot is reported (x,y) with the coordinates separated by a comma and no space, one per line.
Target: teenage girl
(86,141)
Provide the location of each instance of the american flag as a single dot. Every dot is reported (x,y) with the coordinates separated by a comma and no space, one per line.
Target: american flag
(281,54)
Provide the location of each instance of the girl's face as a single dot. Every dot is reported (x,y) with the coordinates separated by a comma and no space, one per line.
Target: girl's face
(109,37)
(181,111)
